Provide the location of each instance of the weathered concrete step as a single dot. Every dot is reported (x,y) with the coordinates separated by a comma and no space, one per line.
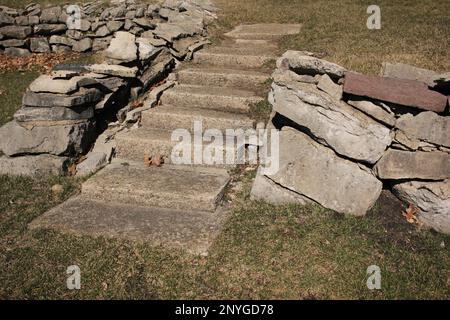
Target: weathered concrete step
(264,31)
(169,187)
(232,49)
(232,60)
(170,118)
(193,231)
(135,144)
(221,77)
(251,42)
(210,97)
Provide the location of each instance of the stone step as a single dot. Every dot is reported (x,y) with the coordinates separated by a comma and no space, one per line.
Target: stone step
(232,60)
(169,186)
(250,42)
(170,118)
(221,77)
(193,231)
(240,50)
(269,31)
(134,144)
(210,97)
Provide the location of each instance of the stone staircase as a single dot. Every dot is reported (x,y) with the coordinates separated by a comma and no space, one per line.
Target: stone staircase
(174,205)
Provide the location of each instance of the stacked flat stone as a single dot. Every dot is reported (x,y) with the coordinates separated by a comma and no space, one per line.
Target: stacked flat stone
(35,29)
(343,136)
(62,112)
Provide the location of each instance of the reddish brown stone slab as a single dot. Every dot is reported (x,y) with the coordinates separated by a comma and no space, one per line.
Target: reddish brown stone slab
(403,92)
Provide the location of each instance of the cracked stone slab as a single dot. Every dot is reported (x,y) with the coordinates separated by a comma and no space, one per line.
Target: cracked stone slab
(193,231)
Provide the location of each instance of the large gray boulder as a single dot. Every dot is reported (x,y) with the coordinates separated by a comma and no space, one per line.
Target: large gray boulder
(58,139)
(334,123)
(265,189)
(122,48)
(316,172)
(35,165)
(431,199)
(399,164)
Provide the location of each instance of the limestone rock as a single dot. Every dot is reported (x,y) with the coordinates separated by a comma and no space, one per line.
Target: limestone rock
(315,171)
(404,71)
(398,164)
(333,123)
(173,31)
(309,65)
(5,19)
(146,49)
(113,70)
(17,52)
(82,45)
(33,166)
(426,127)
(65,139)
(13,43)
(101,43)
(327,85)
(376,111)
(122,47)
(16,32)
(432,199)
(103,31)
(266,190)
(61,40)
(114,26)
(50,29)
(82,97)
(39,45)
(94,161)
(53,114)
(51,15)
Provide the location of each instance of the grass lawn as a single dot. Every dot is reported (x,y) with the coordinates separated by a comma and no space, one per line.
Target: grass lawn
(264,252)
(414,31)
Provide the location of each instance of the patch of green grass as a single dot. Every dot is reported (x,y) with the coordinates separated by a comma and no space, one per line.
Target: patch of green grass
(263,252)
(413,32)
(260,112)
(12,87)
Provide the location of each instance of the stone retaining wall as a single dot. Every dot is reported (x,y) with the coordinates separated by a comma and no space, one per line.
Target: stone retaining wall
(90,27)
(63,112)
(344,136)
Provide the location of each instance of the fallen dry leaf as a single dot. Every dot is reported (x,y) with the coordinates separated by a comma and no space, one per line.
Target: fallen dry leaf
(158,160)
(147,160)
(410,215)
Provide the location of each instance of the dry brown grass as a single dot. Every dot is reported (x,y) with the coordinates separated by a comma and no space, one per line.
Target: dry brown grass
(414,31)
